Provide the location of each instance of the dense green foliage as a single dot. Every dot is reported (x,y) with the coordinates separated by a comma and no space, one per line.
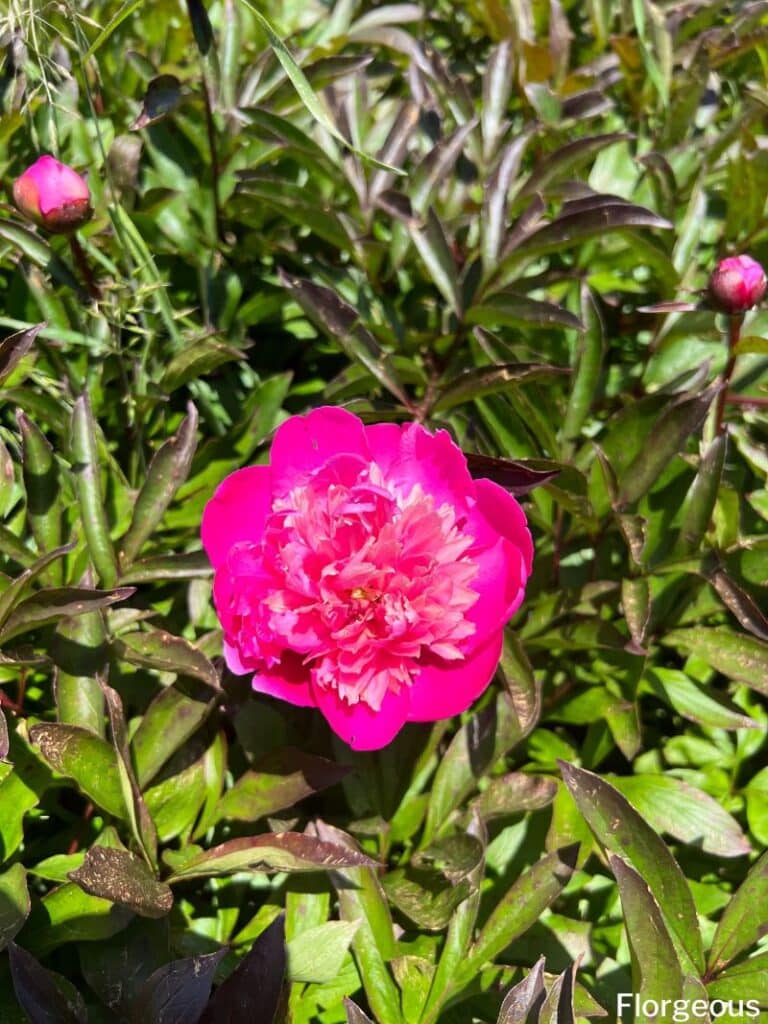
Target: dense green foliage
(517,182)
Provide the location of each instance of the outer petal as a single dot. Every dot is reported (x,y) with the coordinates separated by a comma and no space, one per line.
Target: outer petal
(505,515)
(500,582)
(360,726)
(289,680)
(303,443)
(237,511)
(444,689)
(432,460)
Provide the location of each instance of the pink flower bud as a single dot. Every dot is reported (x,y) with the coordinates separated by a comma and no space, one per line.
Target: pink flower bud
(737,284)
(53,195)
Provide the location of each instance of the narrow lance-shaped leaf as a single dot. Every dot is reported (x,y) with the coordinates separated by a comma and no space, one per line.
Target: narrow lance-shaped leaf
(508,308)
(167,471)
(497,85)
(278,851)
(305,91)
(519,908)
(47,606)
(670,432)
(588,362)
(514,475)
(701,498)
(494,220)
(488,380)
(740,603)
(93,513)
(80,653)
(432,245)
(41,483)
(17,589)
(15,347)
(172,717)
(342,324)
(743,921)
(435,167)
(622,831)
(141,823)
(155,648)
(656,970)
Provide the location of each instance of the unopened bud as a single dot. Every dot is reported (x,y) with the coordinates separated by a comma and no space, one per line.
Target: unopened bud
(53,196)
(737,284)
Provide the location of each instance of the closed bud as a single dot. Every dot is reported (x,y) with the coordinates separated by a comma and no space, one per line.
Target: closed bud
(737,284)
(53,196)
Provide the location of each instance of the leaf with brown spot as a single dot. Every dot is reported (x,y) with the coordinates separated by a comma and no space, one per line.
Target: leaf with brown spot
(120,877)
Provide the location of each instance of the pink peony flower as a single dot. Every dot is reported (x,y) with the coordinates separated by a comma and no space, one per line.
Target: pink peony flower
(737,284)
(364,572)
(53,195)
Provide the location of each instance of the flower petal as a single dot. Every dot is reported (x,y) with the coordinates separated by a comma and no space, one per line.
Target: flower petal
(358,724)
(503,512)
(236,512)
(303,443)
(288,680)
(445,689)
(432,460)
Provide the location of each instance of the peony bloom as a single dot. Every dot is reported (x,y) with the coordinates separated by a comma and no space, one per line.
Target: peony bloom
(53,195)
(737,284)
(364,572)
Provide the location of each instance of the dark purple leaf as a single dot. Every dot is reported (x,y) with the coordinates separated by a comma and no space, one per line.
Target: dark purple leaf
(518,477)
(510,309)
(521,999)
(15,347)
(4,741)
(39,996)
(488,380)
(252,992)
(178,992)
(162,97)
(354,1014)
(201,25)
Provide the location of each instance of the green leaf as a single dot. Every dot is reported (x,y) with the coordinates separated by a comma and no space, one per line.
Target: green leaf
(751,345)
(518,909)
(432,245)
(685,812)
(743,921)
(14,902)
(691,700)
(172,717)
(18,588)
(278,781)
(621,831)
(156,649)
(656,970)
(316,955)
(120,877)
(737,656)
(93,515)
(80,651)
(510,309)
(167,471)
(125,10)
(175,801)
(590,348)
(67,914)
(84,757)
(47,606)
(514,793)
(305,91)
(700,500)
(676,423)
(195,360)
(279,851)
(488,380)
(343,325)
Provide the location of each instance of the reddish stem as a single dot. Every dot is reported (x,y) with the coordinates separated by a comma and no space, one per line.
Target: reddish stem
(85,268)
(734,333)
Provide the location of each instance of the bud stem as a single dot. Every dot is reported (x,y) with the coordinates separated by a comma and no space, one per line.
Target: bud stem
(734,333)
(85,268)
